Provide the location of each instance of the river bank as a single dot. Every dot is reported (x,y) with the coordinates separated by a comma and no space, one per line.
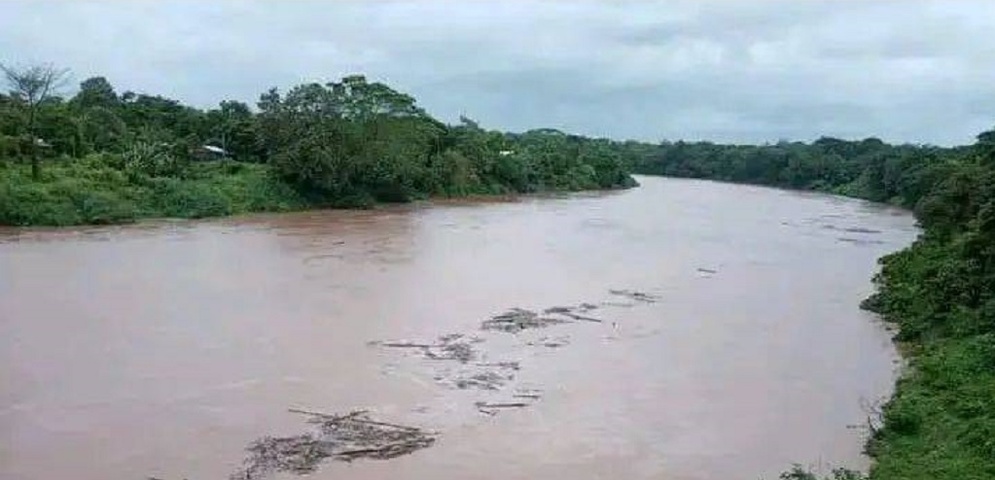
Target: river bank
(92,191)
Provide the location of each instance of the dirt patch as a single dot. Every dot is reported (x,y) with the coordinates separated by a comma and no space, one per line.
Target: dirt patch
(345,438)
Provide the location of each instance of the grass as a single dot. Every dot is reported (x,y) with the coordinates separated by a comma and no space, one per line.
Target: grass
(95,191)
(940,424)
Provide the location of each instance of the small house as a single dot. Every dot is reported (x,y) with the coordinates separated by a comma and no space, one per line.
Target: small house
(209,152)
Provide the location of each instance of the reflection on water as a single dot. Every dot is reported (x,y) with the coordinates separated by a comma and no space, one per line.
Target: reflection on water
(163,349)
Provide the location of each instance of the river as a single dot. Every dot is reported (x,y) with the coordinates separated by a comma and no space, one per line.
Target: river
(163,349)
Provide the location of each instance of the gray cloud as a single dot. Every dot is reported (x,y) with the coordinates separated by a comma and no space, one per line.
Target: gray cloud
(758,71)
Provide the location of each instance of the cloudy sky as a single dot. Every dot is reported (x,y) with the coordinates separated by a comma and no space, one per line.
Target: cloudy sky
(722,70)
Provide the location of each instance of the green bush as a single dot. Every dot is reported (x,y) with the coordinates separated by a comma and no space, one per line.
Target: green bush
(93,191)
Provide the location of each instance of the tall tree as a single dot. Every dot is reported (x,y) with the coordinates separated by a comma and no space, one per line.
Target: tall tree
(232,126)
(32,86)
(95,92)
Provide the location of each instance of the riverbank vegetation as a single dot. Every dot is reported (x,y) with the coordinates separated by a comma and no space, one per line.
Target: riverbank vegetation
(940,292)
(101,157)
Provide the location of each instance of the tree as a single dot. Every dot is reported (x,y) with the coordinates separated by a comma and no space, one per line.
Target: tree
(95,92)
(32,86)
(231,125)
(102,130)
(350,139)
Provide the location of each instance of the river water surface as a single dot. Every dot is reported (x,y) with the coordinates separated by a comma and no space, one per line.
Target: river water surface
(164,349)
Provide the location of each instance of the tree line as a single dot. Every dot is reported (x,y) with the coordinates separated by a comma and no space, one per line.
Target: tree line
(100,156)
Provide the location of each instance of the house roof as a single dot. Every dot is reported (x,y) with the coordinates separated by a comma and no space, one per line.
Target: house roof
(215,149)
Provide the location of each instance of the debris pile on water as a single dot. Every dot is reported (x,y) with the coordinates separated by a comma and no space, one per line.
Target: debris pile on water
(356,435)
(860,241)
(345,438)
(489,408)
(550,342)
(474,372)
(485,380)
(518,319)
(635,295)
(454,346)
(574,313)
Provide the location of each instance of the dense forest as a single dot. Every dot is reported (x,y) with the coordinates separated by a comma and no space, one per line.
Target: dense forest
(103,157)
(940,292)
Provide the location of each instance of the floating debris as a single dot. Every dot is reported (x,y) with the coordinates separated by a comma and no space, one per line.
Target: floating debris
(569,312)
(582,318)
(356,435)
(551,342)
(340,437)
(489,380)
(503,365)
(454,346)
(558,310)
(518,319)
(501,405)
(635,295)
(486,376)
(861,230)
(531,394)
(452,349)
(298,455)
(619,304)
(493,408)
(399,344)
(860,241)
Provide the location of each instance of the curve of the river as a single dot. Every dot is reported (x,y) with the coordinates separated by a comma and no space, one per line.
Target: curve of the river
(731,347)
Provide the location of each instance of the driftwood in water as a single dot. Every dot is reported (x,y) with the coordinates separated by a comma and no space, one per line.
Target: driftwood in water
(344,437)
(493,408)
(447,347)
(518,319)
(635,295)
(502,405)
(487,380)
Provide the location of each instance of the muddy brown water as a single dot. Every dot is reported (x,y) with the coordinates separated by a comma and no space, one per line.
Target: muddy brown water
(164,349)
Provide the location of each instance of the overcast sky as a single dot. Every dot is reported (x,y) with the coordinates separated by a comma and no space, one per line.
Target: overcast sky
(741,71)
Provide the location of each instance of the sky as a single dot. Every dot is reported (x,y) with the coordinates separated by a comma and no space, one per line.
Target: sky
(722,70)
